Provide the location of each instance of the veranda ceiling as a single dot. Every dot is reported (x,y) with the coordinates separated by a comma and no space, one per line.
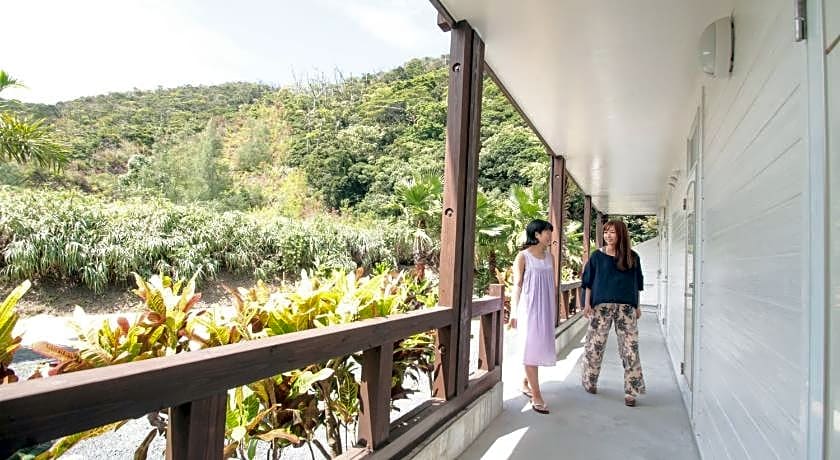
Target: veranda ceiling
(610,84)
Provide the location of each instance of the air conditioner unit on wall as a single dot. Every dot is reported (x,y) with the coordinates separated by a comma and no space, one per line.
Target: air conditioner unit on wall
(716,48)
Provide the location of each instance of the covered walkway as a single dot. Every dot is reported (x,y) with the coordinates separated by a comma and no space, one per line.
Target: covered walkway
(599,426)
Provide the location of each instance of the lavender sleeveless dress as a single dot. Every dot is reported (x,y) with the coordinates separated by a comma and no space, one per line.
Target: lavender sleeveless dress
(537,311)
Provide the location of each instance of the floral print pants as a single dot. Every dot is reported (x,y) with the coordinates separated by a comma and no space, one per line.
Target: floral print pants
(627,333)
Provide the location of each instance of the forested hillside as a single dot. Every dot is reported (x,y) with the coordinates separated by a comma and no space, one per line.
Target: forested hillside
(367,148)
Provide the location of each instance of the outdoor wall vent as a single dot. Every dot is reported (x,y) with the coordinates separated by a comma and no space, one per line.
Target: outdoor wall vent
(716,50)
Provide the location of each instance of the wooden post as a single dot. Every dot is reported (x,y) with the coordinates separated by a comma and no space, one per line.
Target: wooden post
(498,290)
(489,337)
(487,342)
(466,64)
(196,429)
(446,358)
(375,395)
(599,229)
(587,229)
(564,302)
(556,213)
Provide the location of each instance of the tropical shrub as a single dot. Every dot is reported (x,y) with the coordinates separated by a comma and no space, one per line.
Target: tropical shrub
(97,243)
(281,411)
(9,344)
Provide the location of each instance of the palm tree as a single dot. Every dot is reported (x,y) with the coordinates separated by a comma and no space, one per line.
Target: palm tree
(524,204)
(420,199)
(574,246)
(23,140)
(491,230)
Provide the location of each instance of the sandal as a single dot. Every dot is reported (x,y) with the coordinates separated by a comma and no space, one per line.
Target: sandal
(526,390)
(629,401)
(539,408)
(591,390)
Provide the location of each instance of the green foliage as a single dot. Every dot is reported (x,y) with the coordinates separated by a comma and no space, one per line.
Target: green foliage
(283,410)
(63,235)
(7,81)
(192,181)
(148,118)
(193,170)
(513,155)
(24,139)
(523,205)
(255,152)
(369,147)
(9,344)
(641,228)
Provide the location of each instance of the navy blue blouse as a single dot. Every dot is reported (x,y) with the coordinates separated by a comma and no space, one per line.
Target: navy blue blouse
(609,284)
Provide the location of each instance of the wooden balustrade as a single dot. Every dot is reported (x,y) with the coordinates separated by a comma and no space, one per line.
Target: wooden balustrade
(194,384)
(569,300)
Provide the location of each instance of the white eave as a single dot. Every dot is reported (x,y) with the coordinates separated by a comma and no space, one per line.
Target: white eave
(612,85)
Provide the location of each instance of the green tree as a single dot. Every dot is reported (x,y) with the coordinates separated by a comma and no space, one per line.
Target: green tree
(256,151)
(192,170)
(511,156)
(23,139)
(419,199)
(524,204)
(492,232)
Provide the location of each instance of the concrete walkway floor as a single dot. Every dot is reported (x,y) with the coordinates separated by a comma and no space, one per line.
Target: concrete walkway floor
(592,427)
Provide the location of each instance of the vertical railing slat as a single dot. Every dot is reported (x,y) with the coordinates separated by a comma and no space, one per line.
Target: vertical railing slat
(375,401)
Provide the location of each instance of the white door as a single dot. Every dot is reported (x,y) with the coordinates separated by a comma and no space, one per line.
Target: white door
(662,273)
(831,46)
(691,205)
(688,324)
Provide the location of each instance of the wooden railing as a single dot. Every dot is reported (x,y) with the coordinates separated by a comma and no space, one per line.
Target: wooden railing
(194,385)
(570,301)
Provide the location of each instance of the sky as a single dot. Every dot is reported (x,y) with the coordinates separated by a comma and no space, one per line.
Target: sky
(63,50)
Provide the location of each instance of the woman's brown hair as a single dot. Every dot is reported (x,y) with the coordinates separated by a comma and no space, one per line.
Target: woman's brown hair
(623,255)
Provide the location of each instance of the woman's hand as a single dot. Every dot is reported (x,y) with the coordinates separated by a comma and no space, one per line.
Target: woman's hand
(638,312)
(587,311)
(512,323)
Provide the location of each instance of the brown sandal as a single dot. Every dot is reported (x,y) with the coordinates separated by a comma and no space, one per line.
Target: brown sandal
(540,408)
(592,390)
(526,389)
(629,401)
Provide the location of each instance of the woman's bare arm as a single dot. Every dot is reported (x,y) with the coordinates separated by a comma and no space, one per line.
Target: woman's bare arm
(518,275)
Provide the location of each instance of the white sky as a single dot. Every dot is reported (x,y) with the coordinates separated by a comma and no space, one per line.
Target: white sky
(64,49)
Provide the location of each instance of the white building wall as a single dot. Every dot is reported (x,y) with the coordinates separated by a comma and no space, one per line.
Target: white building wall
(649,254)
(750,393)
(675,322)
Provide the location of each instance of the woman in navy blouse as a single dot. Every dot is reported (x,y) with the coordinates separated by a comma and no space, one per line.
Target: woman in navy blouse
(612,279)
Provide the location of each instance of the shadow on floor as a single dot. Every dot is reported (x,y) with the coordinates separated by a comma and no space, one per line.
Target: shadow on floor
(585,426)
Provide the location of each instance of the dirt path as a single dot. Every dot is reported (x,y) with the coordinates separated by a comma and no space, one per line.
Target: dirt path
(59,299)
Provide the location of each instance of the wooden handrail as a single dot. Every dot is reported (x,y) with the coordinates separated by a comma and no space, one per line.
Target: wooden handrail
(41,410)
(486,305)
(491,310)
(571,285)
(565,305)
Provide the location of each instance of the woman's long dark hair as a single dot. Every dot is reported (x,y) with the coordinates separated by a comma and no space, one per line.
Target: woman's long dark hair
(535,227)
(623,254)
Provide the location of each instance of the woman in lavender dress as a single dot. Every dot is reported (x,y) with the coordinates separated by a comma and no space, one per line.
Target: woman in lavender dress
(534,307)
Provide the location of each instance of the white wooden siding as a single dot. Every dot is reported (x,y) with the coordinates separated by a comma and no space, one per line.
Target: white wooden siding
(833,77)
(752,382)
